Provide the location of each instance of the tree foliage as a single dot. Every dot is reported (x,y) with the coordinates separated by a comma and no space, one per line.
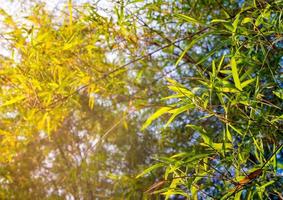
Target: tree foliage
(236,96)
(142,100)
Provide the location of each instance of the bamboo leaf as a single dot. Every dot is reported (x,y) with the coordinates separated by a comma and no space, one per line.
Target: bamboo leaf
(247,20)
(228,134)
(279,93)
(188,19)
(227,89)
(247,82)
(154,116)
(151,168)
(178,111)
(192,43)
(220,63)
(181,90)
(219,21)
(235,73)
(235,23)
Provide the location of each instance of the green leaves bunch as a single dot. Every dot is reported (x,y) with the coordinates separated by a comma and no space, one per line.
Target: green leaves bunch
(236,91)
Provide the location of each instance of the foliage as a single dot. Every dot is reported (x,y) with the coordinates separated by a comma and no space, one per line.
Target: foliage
(238,132)
(55,69)
(79,85)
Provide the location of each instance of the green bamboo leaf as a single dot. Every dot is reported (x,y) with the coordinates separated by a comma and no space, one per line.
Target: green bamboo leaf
(279,93)
(226,71)
(172,81)
(192,43)
(206,139)
(182,154)
(274,155)
(212,52)
(178,111)
(194,192)
(259,20)
(220,63)
(238,195)
(171,169)
(267,184)
(151,168)
(235,74)
(188,19)
(181,90)
(154,116)
(196,158)
(219,21)
(197,128)
(228,134)
(227,89)
(227,195)
(247,20)
(247,82)
(229,27)
(218,146)
(235,129)
(235,23)
(277,118)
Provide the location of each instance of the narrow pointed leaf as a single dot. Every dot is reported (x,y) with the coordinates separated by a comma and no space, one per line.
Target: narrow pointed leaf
(157,114)
(235,74)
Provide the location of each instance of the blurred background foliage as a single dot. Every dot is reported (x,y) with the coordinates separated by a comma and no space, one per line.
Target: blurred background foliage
(133,99)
